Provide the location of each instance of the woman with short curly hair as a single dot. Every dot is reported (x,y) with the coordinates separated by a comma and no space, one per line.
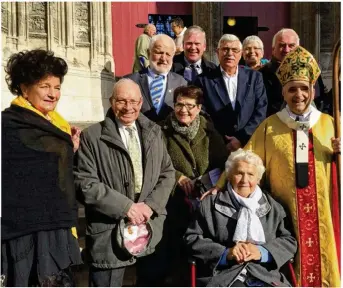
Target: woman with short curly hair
(39,212)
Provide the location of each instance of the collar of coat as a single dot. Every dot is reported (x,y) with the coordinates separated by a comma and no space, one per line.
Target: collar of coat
(149,130)
(225,205)
(16,117)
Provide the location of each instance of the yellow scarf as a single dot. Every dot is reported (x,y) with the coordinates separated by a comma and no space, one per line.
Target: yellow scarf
(55,119)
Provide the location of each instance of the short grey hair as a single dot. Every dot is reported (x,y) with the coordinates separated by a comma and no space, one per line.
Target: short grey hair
(285,30)
(121,82)
(164,38)
(148,26)
(194,29)
(246,156)
(253,38)
(229,38)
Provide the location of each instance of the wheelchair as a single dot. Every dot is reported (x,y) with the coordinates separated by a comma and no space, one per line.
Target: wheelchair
(287,269)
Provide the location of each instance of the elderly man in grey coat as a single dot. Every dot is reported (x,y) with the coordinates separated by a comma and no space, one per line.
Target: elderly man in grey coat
(123,173)
(241,237)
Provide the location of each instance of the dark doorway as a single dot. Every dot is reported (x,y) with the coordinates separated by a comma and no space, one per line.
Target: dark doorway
(242,27)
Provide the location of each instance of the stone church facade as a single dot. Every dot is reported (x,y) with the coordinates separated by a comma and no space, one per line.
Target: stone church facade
(81,33)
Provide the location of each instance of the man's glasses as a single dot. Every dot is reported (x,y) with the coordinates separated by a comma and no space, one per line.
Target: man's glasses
(250,49)
(179,106)
(127,102)
(226,50)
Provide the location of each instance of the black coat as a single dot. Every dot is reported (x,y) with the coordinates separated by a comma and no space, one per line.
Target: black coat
(37,175)
(274,90)
(179,65)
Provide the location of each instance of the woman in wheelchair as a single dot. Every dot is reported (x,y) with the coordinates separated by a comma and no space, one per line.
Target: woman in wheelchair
(241,237)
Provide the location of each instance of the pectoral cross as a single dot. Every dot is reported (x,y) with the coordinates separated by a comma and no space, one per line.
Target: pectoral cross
(303,127)
(302,146)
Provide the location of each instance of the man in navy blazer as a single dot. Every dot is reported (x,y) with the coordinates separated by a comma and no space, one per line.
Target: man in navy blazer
(192,57)
(235,97)
(161,51)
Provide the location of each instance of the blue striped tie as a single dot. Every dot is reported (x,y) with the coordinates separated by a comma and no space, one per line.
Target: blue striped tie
(156,88)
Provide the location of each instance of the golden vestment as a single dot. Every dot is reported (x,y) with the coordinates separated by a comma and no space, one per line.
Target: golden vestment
(273,142)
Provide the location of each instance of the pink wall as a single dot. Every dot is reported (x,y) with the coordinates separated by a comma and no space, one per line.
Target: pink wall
(125,15)
(273,15)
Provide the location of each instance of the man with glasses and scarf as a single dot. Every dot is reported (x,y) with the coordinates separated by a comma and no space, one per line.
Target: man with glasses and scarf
(234,97)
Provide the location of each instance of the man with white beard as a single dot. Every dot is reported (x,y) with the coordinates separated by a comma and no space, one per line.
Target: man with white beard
(157,83)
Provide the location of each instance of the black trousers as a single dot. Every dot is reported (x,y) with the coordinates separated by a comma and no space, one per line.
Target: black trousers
(151,271)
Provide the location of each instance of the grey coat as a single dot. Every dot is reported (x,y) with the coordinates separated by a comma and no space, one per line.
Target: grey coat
(213,230)
(105,184)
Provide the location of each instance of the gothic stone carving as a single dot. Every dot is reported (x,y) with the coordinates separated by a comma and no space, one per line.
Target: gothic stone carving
(82,22)
(4,17)
(53,7)
(37,19)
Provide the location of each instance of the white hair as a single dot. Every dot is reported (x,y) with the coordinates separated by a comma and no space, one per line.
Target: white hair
(164,38)
(229,38)
(148,27)
(253,38)
(246,156)
(194,29)
(285,30)
(121,82)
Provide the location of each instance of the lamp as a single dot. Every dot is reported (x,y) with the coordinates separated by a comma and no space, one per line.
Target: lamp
(231,22)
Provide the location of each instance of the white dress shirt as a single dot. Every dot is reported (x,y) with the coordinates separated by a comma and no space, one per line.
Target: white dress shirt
(179,39)
(124,134)
(231,85)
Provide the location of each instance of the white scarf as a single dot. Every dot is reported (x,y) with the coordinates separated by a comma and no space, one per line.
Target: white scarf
(249,227)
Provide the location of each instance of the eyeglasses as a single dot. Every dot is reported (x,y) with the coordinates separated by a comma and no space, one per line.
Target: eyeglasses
(249,49)
(226,50)
(189,107)
(127,102)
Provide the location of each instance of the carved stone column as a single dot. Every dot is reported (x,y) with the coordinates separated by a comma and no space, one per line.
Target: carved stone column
(209,16)
(94,35)
(22,26)
(109,63)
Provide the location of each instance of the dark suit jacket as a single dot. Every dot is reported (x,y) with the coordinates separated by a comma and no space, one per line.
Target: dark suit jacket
(179,65)
(274,90)
(148,109)
(250,108)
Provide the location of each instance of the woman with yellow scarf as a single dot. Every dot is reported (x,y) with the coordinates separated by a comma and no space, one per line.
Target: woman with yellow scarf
(39,210)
